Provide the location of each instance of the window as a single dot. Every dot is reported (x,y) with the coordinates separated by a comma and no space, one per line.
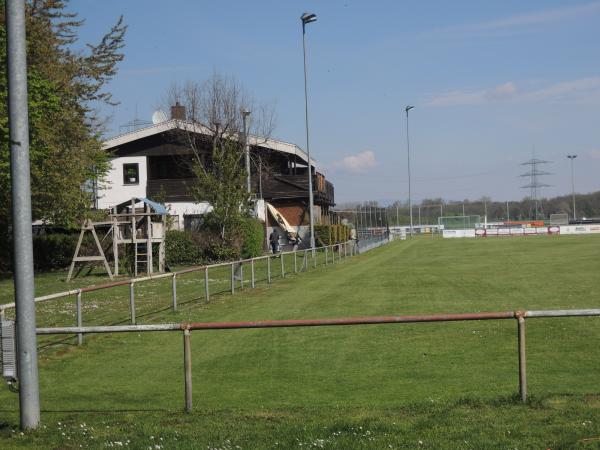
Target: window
(131,173)
(192,222)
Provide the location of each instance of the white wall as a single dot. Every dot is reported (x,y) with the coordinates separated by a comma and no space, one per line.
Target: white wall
(180,208)
(114,190)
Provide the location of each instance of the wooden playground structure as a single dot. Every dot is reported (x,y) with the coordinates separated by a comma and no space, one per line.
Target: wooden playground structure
(139,223)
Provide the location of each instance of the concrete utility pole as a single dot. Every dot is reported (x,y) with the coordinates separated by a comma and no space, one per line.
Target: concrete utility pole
(305,19)
(407,109)
(572,157)
(18,119)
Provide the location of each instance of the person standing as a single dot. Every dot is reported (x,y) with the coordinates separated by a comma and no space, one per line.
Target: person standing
(274,240)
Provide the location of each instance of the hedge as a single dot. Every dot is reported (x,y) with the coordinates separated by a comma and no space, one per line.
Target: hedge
(180,248)
(253,231)
(322,235)
(53,251)
(331,234)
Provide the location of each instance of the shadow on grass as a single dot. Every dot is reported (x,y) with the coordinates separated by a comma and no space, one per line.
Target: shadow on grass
(67,340)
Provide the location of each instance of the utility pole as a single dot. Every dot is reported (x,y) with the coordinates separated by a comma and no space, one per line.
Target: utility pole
(572,157)
(18,119)
(245,114)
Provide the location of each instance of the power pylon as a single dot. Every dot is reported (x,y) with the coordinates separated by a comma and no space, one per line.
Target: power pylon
(535,185)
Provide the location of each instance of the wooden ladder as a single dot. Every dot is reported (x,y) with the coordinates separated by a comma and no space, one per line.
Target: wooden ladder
(141,256)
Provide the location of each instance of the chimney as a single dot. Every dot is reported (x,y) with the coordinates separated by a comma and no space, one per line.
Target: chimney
(178,111)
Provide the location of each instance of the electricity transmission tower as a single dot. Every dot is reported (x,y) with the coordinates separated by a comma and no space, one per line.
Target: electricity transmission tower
(535,186)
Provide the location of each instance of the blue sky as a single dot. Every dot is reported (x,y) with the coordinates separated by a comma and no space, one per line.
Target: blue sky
(491,83)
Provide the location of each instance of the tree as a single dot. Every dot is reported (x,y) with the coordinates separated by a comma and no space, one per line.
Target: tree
(66,87)
(214,109)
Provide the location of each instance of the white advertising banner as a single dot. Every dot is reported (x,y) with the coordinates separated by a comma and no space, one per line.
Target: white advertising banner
(580,229)
(458,233)
(514,231)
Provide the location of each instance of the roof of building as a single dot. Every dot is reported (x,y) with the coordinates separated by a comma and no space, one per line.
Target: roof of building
(195,127)
(158,208)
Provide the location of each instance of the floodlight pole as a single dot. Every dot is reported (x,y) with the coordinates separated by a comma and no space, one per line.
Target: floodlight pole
(308,18)
(245,114)
(29,398)
(407,109)
(572,157)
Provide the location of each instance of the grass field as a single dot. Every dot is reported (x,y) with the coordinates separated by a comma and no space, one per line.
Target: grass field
(442,385)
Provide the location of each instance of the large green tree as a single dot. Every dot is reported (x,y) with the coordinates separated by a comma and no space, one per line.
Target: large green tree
(66,88)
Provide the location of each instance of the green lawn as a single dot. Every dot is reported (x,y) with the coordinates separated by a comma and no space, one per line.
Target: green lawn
(442,385)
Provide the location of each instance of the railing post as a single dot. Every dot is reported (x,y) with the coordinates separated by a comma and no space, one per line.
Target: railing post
(295,263)
(241,275)
(345,250)
(314,256)
(305,263)
(132,303)
(282,265)
(206,287)
(232,279)
(252,276)
(326,257)
(187,367)
(79,317)
(174,291)
(269,269)
(522,360)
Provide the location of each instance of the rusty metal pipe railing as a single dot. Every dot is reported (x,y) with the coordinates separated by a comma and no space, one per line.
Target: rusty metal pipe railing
(349,321)
(520,316)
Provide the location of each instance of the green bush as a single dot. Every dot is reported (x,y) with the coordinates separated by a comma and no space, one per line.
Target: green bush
(53,251)
(322,235)
(180,248)
(333,234)
(253,238)
(220,252)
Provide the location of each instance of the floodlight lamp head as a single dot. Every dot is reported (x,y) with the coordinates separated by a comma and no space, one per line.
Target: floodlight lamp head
(245,112)
(308,18)
(408,108)
(571,156)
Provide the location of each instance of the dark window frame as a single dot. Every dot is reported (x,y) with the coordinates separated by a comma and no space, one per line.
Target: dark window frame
(126,167)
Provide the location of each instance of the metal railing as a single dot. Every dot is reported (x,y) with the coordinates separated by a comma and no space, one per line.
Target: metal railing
(369,242)
(243,273)
(187,328)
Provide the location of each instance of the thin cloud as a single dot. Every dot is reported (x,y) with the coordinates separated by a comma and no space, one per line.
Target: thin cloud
(594,154)
(359,163)
(524,22)
(583,90)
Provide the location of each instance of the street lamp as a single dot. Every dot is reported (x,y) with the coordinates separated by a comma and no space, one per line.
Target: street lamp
(572,157)
(407,109)
(245,114)
(305,19)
